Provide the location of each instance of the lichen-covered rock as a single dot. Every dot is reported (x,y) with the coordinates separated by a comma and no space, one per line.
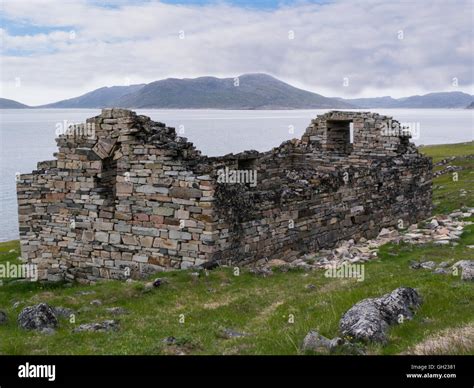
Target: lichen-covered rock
(399,305)
(369,319)
(468,273)
(316,342)
(428,265)
(364,322)
(37,317)
(467,269)
(105,326)
(227,333)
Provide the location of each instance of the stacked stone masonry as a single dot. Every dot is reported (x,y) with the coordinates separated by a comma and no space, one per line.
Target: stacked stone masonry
(126,196)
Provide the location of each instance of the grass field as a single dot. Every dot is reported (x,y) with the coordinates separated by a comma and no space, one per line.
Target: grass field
(447,192)
(275,312)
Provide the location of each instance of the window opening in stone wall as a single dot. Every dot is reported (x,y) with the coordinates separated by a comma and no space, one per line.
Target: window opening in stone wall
(108,179)
(339,136)
(246,164)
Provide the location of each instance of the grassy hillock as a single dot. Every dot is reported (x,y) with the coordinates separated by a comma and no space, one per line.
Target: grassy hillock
(275,312)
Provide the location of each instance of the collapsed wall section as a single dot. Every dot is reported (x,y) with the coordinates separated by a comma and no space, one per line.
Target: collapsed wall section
(304,203)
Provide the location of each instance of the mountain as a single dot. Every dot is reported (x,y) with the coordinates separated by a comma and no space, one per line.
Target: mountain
(254,91)
(100,98)
(5,103)
(470,106)
(431,100)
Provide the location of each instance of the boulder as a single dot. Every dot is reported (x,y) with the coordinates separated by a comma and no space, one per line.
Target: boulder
(400,304)
(467,269)
(415,265)
(226,333)
(315,342)
(364,322)
(369,319)
(428,265)
(37,317)
(468,273)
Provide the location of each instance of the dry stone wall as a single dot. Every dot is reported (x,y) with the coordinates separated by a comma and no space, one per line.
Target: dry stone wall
(127,197)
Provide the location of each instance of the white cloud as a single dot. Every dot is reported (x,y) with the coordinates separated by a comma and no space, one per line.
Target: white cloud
(353,39)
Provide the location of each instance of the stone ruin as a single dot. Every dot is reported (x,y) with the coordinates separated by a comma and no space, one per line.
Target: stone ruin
(127,197)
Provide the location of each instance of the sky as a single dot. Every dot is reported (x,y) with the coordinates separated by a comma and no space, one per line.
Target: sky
(56,49)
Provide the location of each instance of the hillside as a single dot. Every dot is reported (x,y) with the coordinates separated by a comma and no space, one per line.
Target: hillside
(100,98)
(5,103)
